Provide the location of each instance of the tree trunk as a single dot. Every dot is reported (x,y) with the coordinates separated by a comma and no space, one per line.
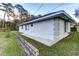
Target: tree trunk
(8,20)
(20,18)
(4,20)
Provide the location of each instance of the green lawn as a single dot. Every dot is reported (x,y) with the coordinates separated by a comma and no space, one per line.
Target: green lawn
(9,46)
(67,47)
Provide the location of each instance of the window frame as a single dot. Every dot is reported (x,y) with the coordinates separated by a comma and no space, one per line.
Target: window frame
(31,24)
(25,26)
(65,26)
(21,26)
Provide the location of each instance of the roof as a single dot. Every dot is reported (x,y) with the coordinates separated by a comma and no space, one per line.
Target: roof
(61,14)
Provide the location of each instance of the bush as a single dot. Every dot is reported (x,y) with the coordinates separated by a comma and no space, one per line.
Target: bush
(3,29)
(73,29)
(8,34)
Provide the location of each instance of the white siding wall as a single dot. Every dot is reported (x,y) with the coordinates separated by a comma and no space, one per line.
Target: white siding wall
(42,29)
(62,32)
(69,26)
(49,30)
(59,29)
(56,30)
(77,28)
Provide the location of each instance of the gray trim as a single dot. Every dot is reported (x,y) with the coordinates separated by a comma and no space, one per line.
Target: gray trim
(56,29)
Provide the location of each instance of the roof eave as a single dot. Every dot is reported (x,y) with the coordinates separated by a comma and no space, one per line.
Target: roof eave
(50,15)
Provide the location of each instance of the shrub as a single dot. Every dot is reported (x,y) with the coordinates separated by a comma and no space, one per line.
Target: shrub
(73,29)
(7,34)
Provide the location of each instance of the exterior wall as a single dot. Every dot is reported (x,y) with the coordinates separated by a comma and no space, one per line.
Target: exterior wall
(62,32)
(50,30)
(59,29)
(56,30)
(72,24)
(77,28)
(69,27)
(42,29)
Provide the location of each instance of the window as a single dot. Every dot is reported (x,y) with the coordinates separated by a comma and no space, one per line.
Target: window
(64,26)
(67,26)
(25,27)
(28,27)
(22,26)
(31,24)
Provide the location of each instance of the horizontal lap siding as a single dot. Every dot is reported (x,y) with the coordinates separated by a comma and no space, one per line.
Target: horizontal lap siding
(42,29)
(69,27)
(56,30)
(62,32)
(59,29)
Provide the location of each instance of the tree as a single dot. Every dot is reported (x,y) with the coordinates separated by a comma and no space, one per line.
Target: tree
(76,13)
(1,21)
(39,15)
(23,14)
(16,24)
(8,11)
(32,17)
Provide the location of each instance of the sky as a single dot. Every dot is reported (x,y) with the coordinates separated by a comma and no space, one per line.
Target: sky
(51,7)
(48,8)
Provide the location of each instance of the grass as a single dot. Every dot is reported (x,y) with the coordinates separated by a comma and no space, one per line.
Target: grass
(3,42)
(9,45)
(69,46)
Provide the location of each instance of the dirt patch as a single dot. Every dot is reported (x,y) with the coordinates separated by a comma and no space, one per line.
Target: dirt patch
(3,42)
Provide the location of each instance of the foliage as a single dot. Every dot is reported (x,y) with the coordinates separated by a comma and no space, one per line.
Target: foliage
(32,17)
(15,25)
(76,13)
(73,28)
(66,47)
(10,46)
(23,13)
(8,10)
(7,34)
(14,48)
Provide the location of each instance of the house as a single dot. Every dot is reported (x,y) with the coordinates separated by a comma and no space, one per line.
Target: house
(48,29)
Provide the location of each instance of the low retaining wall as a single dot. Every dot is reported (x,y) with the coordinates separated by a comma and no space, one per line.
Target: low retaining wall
(28,48)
